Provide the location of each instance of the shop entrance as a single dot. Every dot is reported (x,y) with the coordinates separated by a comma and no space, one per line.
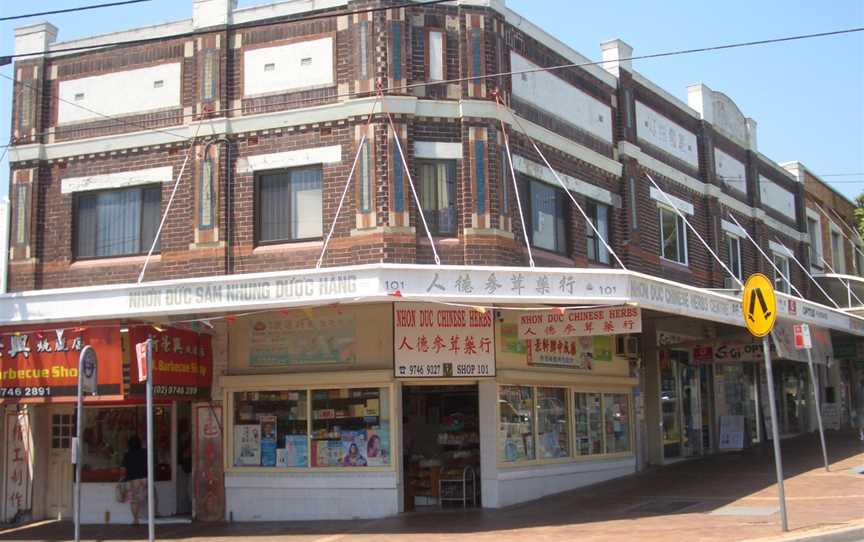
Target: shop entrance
(681,390)
(62,419)
(441,446)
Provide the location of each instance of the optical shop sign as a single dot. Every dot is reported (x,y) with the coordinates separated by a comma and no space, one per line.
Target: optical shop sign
(433,341)
(42,365)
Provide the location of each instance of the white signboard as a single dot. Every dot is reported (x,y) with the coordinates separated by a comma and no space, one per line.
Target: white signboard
(433,341)
(731,432)
(580,322)
(831,416)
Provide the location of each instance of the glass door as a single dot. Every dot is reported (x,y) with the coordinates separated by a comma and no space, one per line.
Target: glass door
(691,410)
(670,407)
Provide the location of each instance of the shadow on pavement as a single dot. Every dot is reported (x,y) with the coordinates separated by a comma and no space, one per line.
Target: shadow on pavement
(694,487)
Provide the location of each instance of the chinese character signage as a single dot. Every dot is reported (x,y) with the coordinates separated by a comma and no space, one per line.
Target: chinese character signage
(302,337)
(209,485)
(579,353)
(42,365)
(19,465)
(580,322)
(433,341)
(182,361)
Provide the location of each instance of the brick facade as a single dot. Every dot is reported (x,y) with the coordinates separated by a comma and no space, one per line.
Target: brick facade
(390,46)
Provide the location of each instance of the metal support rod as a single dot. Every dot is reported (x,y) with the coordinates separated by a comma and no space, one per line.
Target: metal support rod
(79,420)
(778,461)
(818,407)
(151,505)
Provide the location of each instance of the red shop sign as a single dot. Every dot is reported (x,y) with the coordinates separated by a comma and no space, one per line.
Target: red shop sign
(182,362)
(39,365)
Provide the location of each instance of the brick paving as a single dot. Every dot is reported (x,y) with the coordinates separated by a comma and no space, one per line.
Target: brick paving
(670,504)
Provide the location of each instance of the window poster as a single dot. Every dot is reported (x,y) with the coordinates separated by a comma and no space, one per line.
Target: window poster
(572,353)
(377,444)
(295,453)
(268,440)
(247,445)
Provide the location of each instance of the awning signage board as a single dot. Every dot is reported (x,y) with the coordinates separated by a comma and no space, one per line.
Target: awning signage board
(580,322)
(182,362)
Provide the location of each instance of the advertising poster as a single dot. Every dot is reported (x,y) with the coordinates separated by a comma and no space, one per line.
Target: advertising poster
(442,342)
(42,366)
(19,464)
(302,337)
(247,445)
(182,362)
(572,353)
(354,449)
(268,440)
(209,485)
(731,432)
(510,341)
(295,453)
(378,446)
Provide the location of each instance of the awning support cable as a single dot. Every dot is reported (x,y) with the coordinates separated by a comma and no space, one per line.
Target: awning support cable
(792,255)
(670,203)
(410,180)
(846,282)
(168,207)
(767,259)
(515,185)
(588,221)
(360,148)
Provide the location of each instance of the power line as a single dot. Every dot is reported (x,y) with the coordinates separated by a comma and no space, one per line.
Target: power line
(241,26)
(71,10)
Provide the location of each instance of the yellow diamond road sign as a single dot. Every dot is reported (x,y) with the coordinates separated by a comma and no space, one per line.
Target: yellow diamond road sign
(759,305)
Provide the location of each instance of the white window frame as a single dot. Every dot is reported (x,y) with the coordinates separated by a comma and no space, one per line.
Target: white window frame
(780,284)
(682,226)
(815,266)
(838,263)
(739,272)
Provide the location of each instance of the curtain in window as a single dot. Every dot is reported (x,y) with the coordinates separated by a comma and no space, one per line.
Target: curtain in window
(274,199)
(547,218)
(118,218)
(437,194)
(602,225)
(306,220)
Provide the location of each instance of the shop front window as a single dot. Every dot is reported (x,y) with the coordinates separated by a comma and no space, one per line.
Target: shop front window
(588,416)
(516,417)
(270,429)
(346,427)
(350,428)
(552,423)
(106,440)
(616,420)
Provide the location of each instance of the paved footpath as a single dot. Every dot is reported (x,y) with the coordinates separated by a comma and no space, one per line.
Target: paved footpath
(727,497)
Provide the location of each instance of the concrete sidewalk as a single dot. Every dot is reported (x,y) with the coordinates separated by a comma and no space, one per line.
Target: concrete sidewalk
(726,497)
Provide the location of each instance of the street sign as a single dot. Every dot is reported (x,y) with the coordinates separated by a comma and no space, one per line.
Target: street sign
(88,368)
(141,355)
(802,336)
(759,305)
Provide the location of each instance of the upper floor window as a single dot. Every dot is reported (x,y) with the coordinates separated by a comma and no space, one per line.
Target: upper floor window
(673,236)
(599,215)
(546,216)
(116,222)
(733,244)
(838,258)
(288,206)
(815,234)
(438,194)
(436,55)
(781,284)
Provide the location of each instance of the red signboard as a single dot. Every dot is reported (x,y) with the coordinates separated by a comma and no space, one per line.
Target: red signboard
(39,365)
(182,361)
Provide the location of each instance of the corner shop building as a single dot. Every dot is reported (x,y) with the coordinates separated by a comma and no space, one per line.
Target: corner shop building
(322,408)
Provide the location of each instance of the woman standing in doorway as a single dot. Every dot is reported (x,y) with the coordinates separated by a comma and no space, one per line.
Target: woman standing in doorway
(135,463)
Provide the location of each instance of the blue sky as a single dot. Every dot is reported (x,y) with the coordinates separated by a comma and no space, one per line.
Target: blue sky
(807,96)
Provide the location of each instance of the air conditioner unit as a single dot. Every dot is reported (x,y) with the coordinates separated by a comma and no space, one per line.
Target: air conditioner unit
(627,346)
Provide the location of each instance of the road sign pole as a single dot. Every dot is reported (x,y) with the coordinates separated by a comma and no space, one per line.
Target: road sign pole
(818,407)
(778,461)
(151,491)
(79,430)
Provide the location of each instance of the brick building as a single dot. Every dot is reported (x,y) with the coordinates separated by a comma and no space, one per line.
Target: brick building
(258,117)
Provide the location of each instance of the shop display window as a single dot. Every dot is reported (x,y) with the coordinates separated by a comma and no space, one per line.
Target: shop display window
(105,441)
(350,427)
(347,427)
(270,429)
(616,420)
(552,423)
(516,407)
(588,416)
